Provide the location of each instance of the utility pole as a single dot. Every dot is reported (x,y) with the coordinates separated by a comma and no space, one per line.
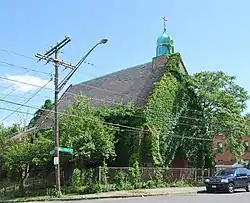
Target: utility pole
(58,87)
(47,57)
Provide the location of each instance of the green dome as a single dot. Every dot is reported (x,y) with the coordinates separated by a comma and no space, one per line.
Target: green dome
(164,39)
(165,44)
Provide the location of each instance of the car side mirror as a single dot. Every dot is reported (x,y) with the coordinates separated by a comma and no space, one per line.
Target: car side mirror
(237,175)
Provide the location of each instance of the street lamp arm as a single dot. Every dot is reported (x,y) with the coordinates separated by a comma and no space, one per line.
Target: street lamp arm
(83,58)
(71,73)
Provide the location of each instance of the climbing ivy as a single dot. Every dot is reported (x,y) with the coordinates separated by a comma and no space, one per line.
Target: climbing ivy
(163,110)
(183,111)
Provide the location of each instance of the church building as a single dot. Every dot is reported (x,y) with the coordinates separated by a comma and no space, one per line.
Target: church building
(133,84)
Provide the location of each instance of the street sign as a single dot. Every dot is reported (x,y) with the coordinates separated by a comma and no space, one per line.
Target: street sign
(62,149)
(67,150)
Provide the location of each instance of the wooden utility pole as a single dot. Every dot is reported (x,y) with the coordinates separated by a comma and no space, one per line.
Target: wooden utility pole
(58,87)
(47,57)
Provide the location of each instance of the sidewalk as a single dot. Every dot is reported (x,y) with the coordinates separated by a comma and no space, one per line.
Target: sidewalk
(119,194)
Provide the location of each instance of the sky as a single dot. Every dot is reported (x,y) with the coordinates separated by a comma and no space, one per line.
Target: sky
(210,35)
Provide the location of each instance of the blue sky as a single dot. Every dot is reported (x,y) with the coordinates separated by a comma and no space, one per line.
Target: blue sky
(210,35)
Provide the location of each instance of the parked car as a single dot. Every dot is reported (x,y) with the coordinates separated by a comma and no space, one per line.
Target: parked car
(228,180)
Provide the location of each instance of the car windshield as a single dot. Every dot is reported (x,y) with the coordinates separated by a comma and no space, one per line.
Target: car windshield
(225,172)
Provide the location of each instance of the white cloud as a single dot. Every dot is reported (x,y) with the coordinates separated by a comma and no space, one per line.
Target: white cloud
(20,86)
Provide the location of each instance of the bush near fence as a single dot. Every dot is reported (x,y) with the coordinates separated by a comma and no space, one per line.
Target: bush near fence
(106,179)
(169,174)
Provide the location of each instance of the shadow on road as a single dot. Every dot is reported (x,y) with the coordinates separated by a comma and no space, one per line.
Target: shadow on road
(221,192)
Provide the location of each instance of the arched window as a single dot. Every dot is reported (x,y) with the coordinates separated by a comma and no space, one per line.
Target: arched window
(246,145)
(219,147)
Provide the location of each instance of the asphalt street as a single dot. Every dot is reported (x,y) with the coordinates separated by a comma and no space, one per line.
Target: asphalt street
(242,197)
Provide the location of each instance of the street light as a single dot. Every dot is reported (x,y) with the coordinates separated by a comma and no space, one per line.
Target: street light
(66,79)
(103,41)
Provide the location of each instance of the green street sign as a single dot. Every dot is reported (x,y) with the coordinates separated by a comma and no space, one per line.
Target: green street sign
(66,150)
(62,149)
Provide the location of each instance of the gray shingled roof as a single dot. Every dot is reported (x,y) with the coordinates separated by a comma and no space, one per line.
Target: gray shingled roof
(129,85)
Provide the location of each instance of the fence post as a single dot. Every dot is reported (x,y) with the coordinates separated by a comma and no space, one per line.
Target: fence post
(202,174)
(100,174)
(195,174)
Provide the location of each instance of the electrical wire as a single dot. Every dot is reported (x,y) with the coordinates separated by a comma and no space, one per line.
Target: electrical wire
(6,64)
(119,125)
(27,100)
(108,123)
(16,53)
(79,95)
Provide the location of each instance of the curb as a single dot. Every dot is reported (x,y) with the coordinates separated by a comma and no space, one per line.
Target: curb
(105,197)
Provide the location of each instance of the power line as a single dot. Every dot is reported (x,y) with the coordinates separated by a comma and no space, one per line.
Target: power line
(6,64)
(27,100)
(113,124)
(90,97)
(16,53)
(12,85)
(79,95)
(16,90)
(17,111)
(108,123)
(25,83)
(32,58)
(91,86)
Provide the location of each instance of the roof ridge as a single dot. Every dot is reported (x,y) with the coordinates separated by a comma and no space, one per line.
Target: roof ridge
(113,73)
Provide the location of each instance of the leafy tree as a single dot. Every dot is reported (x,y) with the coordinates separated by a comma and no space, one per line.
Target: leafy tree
(126,146)
(46,106)
(222,101)
(186,111)
(5,132)
(21,156)
(85,132)
(247,121)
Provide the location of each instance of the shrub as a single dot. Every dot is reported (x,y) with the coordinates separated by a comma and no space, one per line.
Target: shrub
(77,178)
(121,182)
(158,177)
(134,176)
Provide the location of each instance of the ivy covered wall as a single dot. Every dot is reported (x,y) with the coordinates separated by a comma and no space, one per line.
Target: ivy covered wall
(173,119)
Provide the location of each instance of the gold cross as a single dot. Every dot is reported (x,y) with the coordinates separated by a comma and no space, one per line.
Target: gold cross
(165,20)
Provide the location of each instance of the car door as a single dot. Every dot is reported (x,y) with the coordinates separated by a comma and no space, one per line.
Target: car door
(238,178)
(244,177)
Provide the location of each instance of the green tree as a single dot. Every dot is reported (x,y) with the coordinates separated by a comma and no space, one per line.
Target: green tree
(127,140)
(21,156)
(222,102)
(84,131)
(46,106)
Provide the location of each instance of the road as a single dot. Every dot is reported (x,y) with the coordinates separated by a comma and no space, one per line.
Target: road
(242,197)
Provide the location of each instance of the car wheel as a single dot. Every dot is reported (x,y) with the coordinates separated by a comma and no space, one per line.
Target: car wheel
(248,187)
(231,188)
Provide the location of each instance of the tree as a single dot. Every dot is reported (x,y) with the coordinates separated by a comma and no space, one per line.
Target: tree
(126,146)
(222,101)
(84,131)
(21,156)
(5,132)
(46,106)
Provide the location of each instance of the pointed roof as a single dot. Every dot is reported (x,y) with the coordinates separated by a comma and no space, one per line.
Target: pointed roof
(129,85)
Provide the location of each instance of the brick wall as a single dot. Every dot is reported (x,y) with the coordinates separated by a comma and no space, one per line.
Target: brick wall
(224,157)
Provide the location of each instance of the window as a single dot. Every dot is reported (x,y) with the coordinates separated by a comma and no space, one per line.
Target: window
(219,147)
(220,131)
(246,145)
(225,172)
(242,172)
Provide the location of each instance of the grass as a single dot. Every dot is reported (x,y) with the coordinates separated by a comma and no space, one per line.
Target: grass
(43,194)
